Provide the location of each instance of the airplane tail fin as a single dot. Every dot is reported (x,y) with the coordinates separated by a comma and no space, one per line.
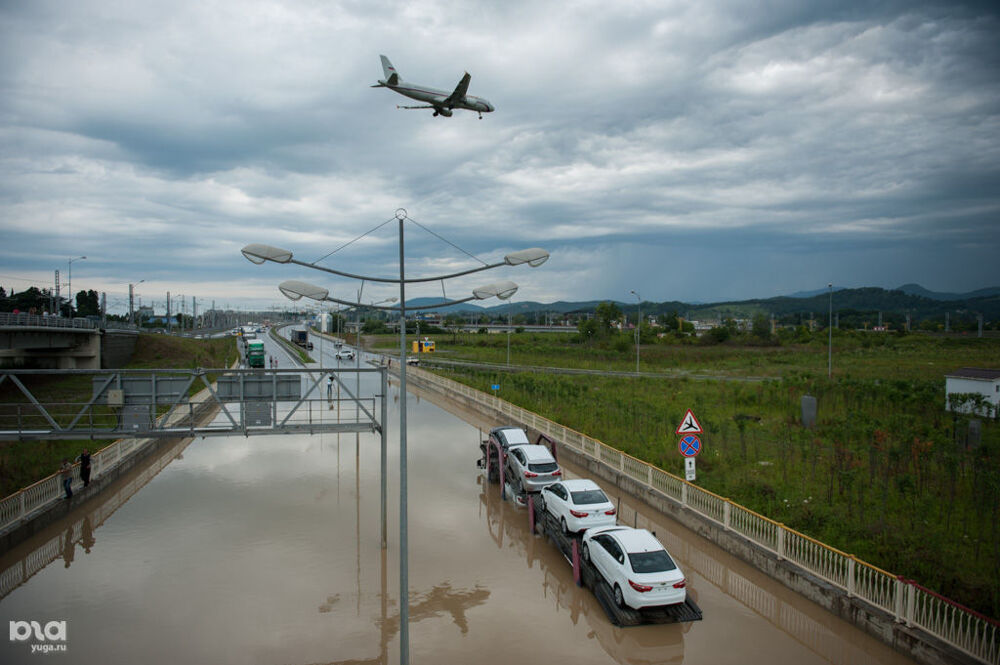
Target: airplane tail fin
(392,77)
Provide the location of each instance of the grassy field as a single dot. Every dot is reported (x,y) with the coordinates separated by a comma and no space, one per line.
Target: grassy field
(887,474)
(25,462)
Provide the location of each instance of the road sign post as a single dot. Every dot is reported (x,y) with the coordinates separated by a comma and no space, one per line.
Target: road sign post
(689,444)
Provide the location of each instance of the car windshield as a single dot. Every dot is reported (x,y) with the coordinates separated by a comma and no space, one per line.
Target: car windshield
(585,497)
(651,562)
(543,467)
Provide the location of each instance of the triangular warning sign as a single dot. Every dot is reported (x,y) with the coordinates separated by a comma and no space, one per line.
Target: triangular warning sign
(689,424)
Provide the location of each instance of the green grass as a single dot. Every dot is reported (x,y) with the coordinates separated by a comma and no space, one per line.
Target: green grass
(885,475)
(23,463)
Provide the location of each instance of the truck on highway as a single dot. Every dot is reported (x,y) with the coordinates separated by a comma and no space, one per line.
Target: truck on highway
(255,353)
(301,337)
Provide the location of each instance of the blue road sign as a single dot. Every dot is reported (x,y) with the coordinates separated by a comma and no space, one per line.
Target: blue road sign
(689,445)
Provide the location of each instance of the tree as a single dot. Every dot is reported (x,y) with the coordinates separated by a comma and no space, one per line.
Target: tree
(607,314)
(31,299)
(87,303)
(587,329)
(761,327)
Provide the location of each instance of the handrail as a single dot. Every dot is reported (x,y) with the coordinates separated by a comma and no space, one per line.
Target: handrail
(35,321)
(910,603)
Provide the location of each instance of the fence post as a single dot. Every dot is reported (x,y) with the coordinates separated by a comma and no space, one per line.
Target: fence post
(649,476)
(684,495)
(781,542)
(911,599)
(20,504)
(850,576)
(900,591)
(725,514)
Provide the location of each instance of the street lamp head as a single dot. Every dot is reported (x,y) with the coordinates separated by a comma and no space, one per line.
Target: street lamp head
(534,257)
(258,253)
(501,290)
(294,290)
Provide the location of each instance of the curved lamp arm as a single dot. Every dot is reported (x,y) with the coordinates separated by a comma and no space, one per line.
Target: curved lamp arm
(295,290)
(258,253)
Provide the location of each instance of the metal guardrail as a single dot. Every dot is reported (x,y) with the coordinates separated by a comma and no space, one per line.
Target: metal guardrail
(35,321)
(19,573)
(910,603)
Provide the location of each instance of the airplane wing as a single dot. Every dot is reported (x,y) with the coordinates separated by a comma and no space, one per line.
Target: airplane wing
(459,94)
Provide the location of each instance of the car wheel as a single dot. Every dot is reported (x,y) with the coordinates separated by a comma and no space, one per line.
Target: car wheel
(619,598)
(562,523)
(586,553)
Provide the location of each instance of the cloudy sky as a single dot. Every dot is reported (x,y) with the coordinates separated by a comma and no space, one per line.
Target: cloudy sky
(694,151)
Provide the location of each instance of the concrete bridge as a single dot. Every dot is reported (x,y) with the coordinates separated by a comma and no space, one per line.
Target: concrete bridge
(52,342)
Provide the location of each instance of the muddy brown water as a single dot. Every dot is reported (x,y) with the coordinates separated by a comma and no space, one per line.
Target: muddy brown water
(266,550)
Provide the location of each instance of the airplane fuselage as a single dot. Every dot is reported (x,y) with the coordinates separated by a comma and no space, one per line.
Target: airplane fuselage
(437,98)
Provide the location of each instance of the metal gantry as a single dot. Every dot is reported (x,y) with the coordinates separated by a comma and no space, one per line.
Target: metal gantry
(181,403)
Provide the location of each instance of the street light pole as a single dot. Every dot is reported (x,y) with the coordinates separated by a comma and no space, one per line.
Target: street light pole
(294,289)
(638,330)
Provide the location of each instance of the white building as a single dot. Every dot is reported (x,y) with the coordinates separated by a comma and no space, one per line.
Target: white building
(974,380)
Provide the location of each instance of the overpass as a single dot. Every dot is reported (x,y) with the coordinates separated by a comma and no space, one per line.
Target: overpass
(54,342)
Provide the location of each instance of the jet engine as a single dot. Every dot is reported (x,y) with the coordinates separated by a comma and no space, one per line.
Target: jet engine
(442,111)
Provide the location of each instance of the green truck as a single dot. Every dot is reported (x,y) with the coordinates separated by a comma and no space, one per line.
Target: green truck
(255,353)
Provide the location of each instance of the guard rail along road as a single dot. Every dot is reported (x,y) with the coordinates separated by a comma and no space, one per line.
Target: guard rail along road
(905,601)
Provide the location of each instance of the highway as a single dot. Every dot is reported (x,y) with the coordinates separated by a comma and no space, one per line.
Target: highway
(266,549)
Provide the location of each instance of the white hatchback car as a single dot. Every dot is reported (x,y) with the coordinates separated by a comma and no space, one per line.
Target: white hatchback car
(579,504)
(533,466)
(639,570)
(345,354)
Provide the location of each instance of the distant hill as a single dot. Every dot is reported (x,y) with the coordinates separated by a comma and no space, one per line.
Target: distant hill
(863,304)
(917,290)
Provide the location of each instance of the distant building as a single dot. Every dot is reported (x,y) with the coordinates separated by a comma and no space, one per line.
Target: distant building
(974,380)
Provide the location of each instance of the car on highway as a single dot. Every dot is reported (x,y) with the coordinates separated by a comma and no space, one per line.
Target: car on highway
(533,467)
(508,436)
(345,354)
(579,504)
(639,570)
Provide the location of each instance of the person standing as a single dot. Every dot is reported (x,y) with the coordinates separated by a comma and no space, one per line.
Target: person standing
(84,460)
(329,387)
(66,471)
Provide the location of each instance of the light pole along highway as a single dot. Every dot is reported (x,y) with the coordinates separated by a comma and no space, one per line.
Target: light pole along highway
(295,289)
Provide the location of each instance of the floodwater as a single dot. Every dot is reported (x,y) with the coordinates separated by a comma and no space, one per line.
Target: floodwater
(267,550)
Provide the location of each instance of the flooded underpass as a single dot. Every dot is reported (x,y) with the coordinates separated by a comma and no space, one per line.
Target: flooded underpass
(267,550)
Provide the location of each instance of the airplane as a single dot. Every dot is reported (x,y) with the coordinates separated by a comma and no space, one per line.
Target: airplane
(441,101)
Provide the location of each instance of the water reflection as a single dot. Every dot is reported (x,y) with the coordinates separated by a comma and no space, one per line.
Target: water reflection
(60,539)
(637,645)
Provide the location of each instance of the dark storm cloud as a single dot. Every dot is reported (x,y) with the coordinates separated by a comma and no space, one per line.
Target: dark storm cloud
(703,143)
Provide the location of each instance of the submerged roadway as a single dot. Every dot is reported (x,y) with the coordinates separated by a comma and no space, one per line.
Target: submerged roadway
(266,550)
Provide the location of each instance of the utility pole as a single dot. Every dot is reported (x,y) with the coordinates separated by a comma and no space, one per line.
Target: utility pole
(170,323)
(829,325)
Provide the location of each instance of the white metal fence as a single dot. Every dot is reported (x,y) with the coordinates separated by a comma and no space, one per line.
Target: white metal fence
(910,603)
(22,504)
